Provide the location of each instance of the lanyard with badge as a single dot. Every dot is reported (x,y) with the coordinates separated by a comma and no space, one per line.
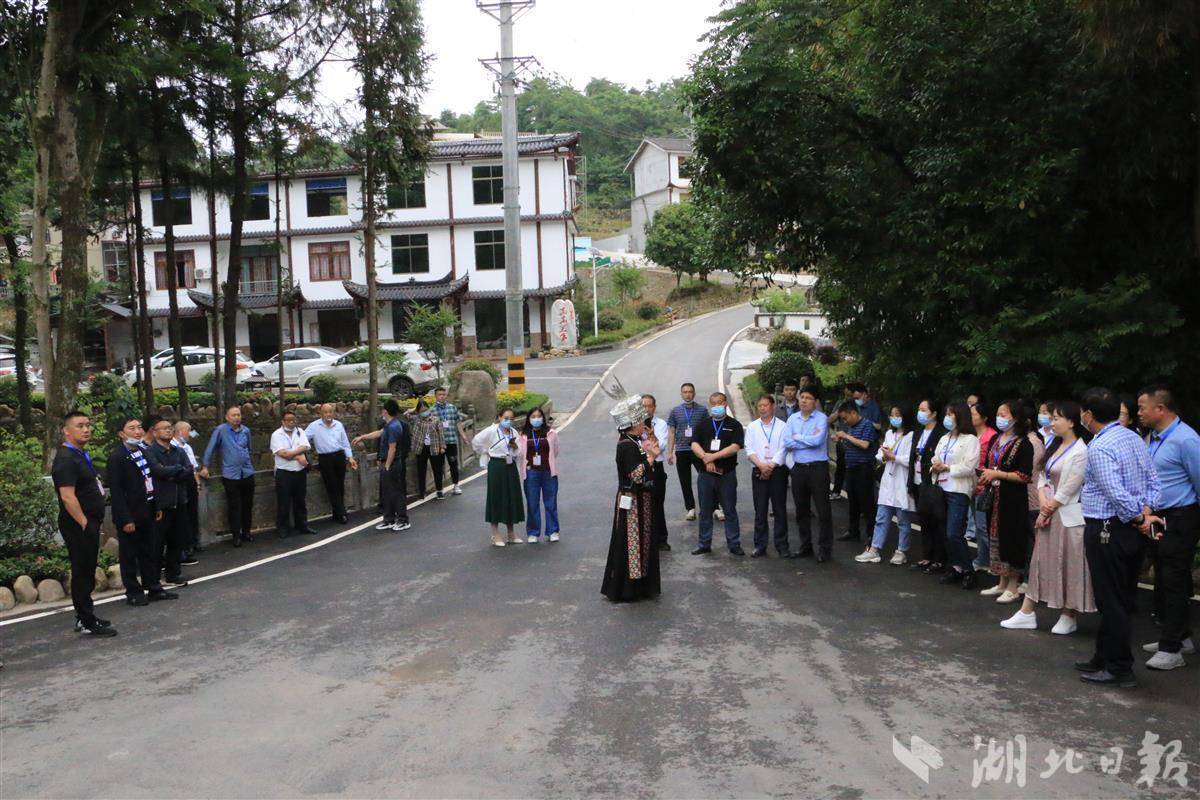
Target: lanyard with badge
(625,503)
(715,445)
(1156,442)
(91,466)
(508,439)
(444,409)
(537,455)
(138,457)
(767,452)
(1058,458)
(687,431)
(945,476)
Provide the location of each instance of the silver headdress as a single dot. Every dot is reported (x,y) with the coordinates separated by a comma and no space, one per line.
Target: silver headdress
(629,410)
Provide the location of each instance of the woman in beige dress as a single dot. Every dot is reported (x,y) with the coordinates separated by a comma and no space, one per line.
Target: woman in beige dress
(1058,571)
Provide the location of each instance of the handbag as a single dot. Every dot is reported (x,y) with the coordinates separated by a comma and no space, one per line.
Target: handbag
(985,499)
(931,501)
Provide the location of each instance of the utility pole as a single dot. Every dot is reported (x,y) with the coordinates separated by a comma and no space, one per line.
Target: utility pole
(506,67)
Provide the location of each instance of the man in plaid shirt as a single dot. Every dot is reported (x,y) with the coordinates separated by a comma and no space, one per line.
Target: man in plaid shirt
(452,430)
(1119,489)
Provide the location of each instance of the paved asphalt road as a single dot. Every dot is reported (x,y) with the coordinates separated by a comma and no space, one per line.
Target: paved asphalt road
(428,664)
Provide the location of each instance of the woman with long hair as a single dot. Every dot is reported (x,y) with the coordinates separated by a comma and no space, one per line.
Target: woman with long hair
(1005,478)
(498,449)
(923,488)
(981,418)
(893,498)
(954,462)
(537,461)
(1058,571)
(428,444)
(632,570)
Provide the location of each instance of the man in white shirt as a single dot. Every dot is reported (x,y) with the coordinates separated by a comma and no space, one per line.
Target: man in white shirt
(328,438)
(191,516)
(768,476)
(659,494)
(289,446)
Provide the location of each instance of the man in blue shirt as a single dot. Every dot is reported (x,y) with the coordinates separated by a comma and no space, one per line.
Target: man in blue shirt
(1175,452)
(231,441)
(861,440)
(866,405)
(394,446)
(685,422)
(806,441)
(1119,489)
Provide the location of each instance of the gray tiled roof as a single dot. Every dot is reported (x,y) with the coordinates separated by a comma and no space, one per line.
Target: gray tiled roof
(490,148)
(546,291)
(675,144)
(409,290)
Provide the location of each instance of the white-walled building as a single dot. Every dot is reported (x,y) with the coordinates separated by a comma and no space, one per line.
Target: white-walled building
(442,239)
(660,177)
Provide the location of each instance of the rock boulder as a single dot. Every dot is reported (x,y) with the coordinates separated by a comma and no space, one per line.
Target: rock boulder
(24,590)
(50,590)
(7,598)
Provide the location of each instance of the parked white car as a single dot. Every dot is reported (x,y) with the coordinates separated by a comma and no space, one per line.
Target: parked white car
(419,373)
(8,369)
(197,363)
(295,361)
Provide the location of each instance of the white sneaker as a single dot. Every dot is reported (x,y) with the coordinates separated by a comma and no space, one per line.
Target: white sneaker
(992,592)
(868,556)
(384,526)
(1065,625)
(554,537)
(532,540)
(402,526)
(1020,621)
(899,557)
(456,490)
(1008,597)
(1023,588)
(1187,649)
(498,543)
(691,515)
(720,515)
(1165,660)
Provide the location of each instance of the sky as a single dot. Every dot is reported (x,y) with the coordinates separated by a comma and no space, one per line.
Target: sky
(627,41)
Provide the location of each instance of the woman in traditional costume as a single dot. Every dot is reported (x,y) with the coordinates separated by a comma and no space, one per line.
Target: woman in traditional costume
(632,569)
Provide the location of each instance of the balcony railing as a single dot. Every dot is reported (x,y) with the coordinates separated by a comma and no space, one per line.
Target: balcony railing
(259,287)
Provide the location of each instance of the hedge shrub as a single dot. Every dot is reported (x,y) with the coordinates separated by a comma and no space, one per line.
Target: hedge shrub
(792,342)
(481,364)
(610,321)
(324,388)
(648,311)
(783,366)
(828,354)
(28,508)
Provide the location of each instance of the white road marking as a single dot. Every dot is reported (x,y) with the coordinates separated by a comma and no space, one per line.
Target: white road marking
(724,357)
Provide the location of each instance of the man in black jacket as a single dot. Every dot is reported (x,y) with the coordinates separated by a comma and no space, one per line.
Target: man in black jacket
(171,470)
(131,487)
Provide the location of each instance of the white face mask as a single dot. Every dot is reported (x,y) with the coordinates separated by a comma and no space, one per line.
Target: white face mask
(133,442)
(192,434)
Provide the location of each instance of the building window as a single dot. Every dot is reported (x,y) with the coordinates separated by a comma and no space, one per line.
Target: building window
(259,206)
(489,249)
(180,205)
(185,270)
(329,261)
(489,185)
(491,324)
(116,262)
(807,324)
(410,253)
(406,195)
(260,269)
(685,167)
(326,197)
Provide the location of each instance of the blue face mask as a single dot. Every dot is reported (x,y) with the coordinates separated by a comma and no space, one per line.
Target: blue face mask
(923,417)
(896,421)
(506,423)
(1003,423)
(1044,420)
(717,411)
(858,401)
(537,422)
(426,413)
(948,422)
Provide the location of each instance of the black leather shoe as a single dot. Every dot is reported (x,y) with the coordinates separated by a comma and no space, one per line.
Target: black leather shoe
(759,553)
(823,557)
(283,534)
(309,532)
(154,597)
(342,520)
(237,541)
(664,547)
(848,536)
(788,554)
(804,552)
(736,551)
(969,581)
(951,576)
(702,551)
(1089,666)
(248,537)
(1105,678)
(137,600)
(103,623)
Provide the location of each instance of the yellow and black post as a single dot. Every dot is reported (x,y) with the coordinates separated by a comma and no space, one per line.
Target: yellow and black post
(516,373)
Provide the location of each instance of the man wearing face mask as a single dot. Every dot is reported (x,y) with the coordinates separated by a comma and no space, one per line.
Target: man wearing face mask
(171,472)
(861,441)
(290,448)
(191,517)
(867,406)
(716,447)
(394,446)
(132,491)
(657,427)
(328,437)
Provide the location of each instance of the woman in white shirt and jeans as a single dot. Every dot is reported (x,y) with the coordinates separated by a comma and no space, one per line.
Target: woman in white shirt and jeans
(895,456)
(954,464)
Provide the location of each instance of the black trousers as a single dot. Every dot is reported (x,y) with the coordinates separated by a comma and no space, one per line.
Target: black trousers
(393,492)
(659,498)
(333,474)
(291,500)
(810,487)
(1172,557)
(839,471)
(933,538)
(168,541)
(1110,563)
(139,570)
(424,459)
(190,517)
(239,504)
(860,491)
(83,548)
(452,461)
(685,462)
(772,491)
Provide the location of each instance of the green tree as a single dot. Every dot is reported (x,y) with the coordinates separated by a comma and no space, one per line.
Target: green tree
(627,281)
(986,203)
(675,239)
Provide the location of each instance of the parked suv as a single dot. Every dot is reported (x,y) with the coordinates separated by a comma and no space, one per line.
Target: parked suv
(418,374)
(198,362)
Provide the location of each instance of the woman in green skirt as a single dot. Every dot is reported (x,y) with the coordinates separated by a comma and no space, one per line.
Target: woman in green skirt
(497,448)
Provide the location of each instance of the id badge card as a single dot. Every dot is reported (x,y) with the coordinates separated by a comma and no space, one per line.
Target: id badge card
(537,460)
(100,486)
(626,502)
(767,452)
(715,446)
(149,486)
(446,424)
(688,431)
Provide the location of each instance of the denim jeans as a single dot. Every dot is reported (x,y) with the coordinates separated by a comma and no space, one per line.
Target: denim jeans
(981,538)
(711,489)
(958,505)
(883,521)
(541,487)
